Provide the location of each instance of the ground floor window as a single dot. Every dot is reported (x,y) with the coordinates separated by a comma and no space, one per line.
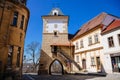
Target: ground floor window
(10,56)
(92,61)
(115,63)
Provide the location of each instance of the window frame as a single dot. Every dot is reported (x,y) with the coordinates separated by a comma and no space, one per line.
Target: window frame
(18,57)
(92,61)
(77,59)
(55,33)
(96,38)
(10,56)
(119,39)
(15,18)
(22,22)
(76,45)
(90,40)
(81,44)
(111,41)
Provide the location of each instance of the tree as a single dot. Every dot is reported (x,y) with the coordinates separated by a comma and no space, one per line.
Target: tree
(33,51)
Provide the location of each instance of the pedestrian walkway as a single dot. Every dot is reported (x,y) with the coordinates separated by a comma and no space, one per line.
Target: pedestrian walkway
(114,76)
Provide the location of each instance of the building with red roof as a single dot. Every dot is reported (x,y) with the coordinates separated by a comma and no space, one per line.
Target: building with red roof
(88,42)
(111,46)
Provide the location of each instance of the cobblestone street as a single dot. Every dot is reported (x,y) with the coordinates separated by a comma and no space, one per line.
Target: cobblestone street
(71,77)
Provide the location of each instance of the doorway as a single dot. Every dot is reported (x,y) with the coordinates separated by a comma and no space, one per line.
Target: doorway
(84,63)
(116,63)
(98,64)
(56,68)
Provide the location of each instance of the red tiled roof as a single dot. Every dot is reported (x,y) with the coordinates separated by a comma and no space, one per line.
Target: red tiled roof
(91,24)
(113,25)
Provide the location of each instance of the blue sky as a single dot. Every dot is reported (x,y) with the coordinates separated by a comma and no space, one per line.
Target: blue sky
(79,12)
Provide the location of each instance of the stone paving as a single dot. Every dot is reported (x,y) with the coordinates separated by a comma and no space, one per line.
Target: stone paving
(71,77)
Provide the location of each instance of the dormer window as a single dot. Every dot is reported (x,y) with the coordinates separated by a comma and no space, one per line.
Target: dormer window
(55,12)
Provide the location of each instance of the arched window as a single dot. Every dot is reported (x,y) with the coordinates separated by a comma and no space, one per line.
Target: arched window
(55,13)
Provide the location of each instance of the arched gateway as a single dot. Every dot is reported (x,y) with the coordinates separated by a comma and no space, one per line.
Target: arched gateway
(56,44)
(56,68)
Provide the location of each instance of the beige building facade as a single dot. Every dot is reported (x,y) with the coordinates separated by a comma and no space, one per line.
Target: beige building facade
(56,46)
(88,44)
(14,18)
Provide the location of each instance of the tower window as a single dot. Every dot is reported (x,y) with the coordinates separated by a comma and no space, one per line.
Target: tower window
(15,18)
(21,37)
(54,49)
(55,13)
(22,22)
(55,33)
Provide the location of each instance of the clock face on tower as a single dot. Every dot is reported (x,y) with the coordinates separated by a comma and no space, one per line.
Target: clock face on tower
(55,25)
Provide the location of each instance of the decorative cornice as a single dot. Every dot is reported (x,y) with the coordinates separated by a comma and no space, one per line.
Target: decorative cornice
(94,49)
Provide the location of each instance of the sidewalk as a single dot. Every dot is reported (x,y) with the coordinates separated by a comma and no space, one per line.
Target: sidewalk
(91,73)
(112,76)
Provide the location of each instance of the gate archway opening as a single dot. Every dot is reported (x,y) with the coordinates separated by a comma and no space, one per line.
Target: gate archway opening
(56,68)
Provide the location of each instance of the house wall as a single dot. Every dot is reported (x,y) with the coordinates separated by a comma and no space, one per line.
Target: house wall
(110,50)
(88,51)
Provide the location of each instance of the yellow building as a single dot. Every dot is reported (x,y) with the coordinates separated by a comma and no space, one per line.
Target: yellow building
(88,43)
(14,18)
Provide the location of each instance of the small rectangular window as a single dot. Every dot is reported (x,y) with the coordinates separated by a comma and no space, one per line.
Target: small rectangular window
(96,38)
(10,56)
(22,22)
(21,35)
(77,58)
(18,57)
(119,38)
(55,33)
(92,61)
(81,44)
(90,40)
(15,18)
(110,42)
(54,49)
(76,46)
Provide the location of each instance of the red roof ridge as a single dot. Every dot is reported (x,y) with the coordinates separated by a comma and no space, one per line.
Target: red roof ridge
(115,24)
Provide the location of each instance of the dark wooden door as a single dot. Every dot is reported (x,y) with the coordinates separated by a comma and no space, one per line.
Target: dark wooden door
(84,63)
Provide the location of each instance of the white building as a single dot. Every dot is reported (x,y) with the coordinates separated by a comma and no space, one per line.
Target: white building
(88,43)
(111,44)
